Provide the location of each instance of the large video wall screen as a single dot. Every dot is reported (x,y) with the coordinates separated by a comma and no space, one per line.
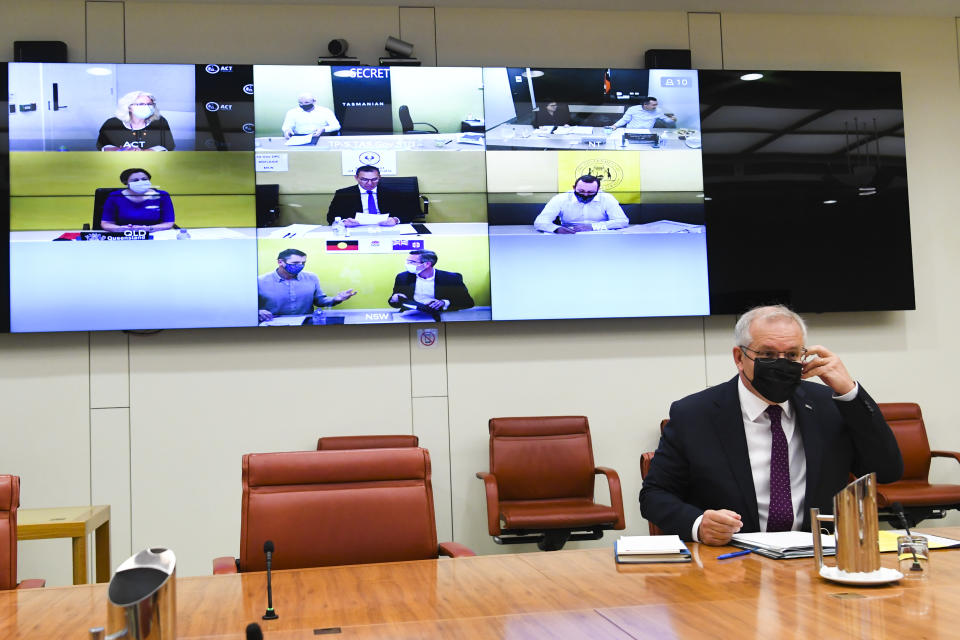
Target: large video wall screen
(176,196)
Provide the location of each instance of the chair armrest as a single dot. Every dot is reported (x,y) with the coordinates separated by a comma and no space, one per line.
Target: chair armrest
(455,550)
(426,204)
(616,497)
(646,459)
(946,454)
(224,565)
(493,502)
(33,583)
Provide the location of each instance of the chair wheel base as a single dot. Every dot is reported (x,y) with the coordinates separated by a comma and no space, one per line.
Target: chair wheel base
(553,541)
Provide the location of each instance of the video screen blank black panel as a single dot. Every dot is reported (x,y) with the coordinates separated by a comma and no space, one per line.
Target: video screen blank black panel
(4,204)
(805,181)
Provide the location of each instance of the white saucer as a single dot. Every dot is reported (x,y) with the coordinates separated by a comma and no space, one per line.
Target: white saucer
(880,576)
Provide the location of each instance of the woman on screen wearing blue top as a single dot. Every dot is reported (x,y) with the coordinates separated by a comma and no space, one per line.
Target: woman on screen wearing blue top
(139,207)
(136,126)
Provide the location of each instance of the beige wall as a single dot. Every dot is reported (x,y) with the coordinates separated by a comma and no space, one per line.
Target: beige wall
(155,425)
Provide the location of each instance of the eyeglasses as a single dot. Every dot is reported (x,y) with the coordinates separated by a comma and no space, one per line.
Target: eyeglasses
(368,180)
(142,104)
(793,354)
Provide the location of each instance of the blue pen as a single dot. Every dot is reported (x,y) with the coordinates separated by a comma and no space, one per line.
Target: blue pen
(735,554)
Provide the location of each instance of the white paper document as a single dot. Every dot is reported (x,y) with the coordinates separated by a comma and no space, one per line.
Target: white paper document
(649,544)
(575,130)
(370,218)
(283,321)
(781,540)
(292,230)
(294,141)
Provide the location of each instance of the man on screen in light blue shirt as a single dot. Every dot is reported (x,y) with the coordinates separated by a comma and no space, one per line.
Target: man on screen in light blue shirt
(646,115)
(585,208)
(288,290)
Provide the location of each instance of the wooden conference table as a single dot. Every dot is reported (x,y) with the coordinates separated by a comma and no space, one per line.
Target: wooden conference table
(564,594)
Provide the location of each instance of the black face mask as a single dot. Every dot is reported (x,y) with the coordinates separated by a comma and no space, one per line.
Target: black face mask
(307,107)
(584,199)
(776,380)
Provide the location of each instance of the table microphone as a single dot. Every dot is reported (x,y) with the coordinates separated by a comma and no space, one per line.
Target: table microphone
(254,632)
(270,614)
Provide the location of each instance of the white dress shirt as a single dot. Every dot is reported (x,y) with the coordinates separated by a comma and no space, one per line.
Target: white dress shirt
(365,199)
(636,117)
(603,212)
(756,425)
(424,291)
(300,122)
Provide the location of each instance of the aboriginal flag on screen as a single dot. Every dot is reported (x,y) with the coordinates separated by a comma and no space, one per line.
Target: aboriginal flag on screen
(343,245)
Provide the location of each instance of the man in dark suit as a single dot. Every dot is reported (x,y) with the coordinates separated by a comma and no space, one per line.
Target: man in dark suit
(367,196)
(756,452)
(422,282)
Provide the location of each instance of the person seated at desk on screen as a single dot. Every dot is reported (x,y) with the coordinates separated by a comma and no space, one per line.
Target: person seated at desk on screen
(139,206)
(308,119)
(755,453)
(288,290)
(136,126)
(646,115)
(585,208)
(424,283)
(553,114)
(368,197)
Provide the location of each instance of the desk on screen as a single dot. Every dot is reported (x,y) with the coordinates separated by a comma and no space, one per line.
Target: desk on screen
(525,136)
(384,233)
(398,142)
(387,315)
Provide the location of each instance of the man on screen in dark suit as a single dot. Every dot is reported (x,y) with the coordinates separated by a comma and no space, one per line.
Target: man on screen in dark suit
(756,452)
(423,283)
(367,196)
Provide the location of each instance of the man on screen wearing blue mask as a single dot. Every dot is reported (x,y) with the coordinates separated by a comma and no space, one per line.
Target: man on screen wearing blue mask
(309,118)
(584,208)
(422,282)
(288,290)
(755,453)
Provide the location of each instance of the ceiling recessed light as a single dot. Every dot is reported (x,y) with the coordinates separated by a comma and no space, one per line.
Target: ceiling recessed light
(533,73)
(751,76)
(829,202)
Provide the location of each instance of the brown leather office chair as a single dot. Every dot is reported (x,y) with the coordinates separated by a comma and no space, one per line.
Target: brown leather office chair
(324,508)
(646,459)
(9,502)
(540,484)
(338,443)
(920,499)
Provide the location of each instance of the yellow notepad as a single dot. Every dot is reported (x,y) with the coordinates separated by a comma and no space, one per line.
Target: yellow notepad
(888,540)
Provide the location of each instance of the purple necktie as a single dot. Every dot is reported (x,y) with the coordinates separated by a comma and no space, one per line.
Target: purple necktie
(371,204)
(780,516)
